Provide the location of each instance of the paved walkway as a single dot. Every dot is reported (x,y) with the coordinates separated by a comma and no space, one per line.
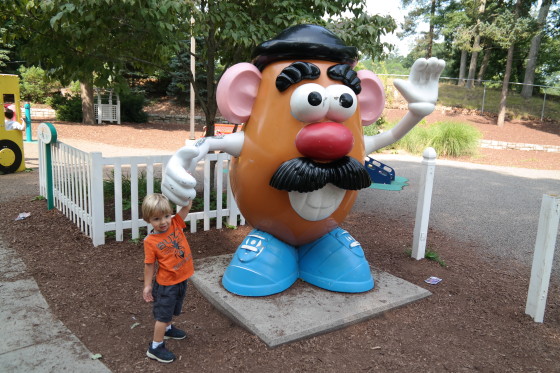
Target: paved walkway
(33,340)
(493,206)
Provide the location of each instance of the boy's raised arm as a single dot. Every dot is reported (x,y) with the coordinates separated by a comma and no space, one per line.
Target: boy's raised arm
(184,211)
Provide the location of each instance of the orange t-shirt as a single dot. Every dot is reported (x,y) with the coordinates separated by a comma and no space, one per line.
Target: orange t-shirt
(172,252)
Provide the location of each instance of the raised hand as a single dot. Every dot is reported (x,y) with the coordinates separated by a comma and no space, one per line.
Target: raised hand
(421,93)
(178,184)
(421,88)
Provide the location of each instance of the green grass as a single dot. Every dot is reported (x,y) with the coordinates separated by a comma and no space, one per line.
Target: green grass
(430,255)
(433,256)
(516,106)
(448,138)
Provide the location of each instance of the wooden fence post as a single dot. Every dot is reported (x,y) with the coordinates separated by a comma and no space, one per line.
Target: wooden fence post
(543,257)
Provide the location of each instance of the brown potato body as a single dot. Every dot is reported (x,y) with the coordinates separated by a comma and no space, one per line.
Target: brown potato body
(269,141)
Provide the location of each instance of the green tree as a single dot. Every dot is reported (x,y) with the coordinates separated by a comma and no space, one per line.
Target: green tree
(548,71)
(35,86)
(476,43)
(529,79)
(93,41)
(424,10)
(507,29)
(230,29)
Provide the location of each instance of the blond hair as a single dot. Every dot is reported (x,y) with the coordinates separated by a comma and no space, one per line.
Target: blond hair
(155,204)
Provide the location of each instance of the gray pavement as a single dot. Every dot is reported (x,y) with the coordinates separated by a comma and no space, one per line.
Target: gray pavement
(494,207)
(33,340)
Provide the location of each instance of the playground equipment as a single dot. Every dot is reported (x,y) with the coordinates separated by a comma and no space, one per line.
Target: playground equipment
(28,136)
(107,108)
(383,176)
(11,142)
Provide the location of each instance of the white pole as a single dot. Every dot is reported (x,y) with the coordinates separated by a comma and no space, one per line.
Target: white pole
(96,189)
(543,257)
(424,202)
(192,87)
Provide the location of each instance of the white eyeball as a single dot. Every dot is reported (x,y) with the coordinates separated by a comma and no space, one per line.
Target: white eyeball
(342,102)
(308,103)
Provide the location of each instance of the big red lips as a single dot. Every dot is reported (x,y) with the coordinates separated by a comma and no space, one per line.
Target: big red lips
(324,141)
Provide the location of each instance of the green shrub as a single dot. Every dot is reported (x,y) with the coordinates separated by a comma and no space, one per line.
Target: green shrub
(132,107)
(109,187)
(455,139)
(35,86)
(416,140)
(373,129)
(68,108)
(452,139)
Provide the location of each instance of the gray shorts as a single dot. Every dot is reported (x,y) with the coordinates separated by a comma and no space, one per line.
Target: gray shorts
(168,300)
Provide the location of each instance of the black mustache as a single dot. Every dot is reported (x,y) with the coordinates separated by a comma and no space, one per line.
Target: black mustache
(304,175)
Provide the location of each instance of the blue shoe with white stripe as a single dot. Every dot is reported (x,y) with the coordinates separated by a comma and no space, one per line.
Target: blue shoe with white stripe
(262,265)
(335,262)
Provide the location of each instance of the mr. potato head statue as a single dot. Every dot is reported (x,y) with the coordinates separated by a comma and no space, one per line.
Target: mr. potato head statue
(299,160)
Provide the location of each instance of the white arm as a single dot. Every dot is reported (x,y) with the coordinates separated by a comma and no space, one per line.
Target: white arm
(178,183)
(421,92)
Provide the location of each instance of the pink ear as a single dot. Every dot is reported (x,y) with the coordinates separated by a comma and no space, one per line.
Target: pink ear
(237,90)
(371,98)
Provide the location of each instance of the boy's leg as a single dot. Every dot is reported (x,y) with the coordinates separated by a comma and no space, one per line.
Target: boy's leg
(171,331)
(164,303)
(159,330)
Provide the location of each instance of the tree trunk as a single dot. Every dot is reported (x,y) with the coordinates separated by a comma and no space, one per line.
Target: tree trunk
(529,79)
(474,57)
(484,65)
(431,32)
(86,93)
(507,75)
(476,45)
(462,68)
(505,84)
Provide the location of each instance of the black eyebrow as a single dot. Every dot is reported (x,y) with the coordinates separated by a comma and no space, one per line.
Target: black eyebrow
(346,75)
(295,73)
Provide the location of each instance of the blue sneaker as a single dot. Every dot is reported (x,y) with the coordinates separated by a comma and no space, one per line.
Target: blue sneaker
(175,333)
(335,262)
(161,354)
(262,265)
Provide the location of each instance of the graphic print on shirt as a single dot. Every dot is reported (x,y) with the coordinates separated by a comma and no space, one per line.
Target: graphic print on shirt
(172,246)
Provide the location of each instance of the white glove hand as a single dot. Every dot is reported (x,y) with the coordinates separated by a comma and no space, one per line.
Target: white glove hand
(421,88)
(178,184)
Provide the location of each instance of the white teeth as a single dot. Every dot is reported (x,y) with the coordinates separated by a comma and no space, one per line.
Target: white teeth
(317,205)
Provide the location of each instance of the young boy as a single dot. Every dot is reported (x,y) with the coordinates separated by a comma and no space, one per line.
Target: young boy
(168,246)
(9,123)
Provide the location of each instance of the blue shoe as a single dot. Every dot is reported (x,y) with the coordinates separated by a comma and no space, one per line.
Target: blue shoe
(161,354)
(262,265)
(174,333)
(335,262)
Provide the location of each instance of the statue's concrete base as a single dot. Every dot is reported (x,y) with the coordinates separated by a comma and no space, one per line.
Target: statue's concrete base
(302,311)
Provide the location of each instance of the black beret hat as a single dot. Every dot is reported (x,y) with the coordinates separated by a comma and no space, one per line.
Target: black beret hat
(304,42)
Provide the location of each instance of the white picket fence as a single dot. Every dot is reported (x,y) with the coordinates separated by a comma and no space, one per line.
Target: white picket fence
(78,179)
